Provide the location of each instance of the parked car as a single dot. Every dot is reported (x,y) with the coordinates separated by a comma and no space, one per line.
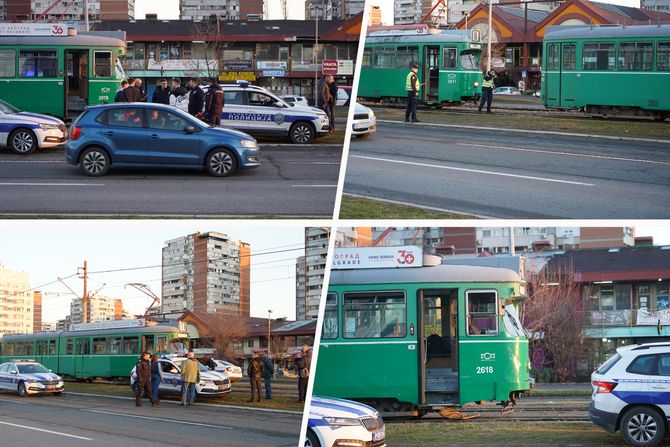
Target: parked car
(631,393)
(343,422)
(29,377)
(158,136)
(295,100)
(23,132)
(364,123)
(343,95)
(506,91)
(211,382)
(233,372)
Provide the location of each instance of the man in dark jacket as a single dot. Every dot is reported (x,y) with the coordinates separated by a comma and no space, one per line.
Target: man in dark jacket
(323,96)
(143,383)
(268,372)
(303,364)
(143,93)
(214,104)
(132,93)
(412,87)
(487,90)
(120,93)
(162,93)
(255,372)
(196,98)
(333,102)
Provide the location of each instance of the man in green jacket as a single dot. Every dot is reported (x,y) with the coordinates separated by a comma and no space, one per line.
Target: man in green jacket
(190,375)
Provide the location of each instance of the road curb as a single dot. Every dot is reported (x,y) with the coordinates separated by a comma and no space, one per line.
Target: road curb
(498,129)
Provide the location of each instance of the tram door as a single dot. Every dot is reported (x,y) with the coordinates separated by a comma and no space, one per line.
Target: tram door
(431,73)
(81,351)
(76,81)
(439,333)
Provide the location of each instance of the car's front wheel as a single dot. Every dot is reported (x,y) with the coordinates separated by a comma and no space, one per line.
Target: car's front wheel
(94,162)
(23,141)
(302,133)
(221,163)
(642,427)
(23,392)
(312,440)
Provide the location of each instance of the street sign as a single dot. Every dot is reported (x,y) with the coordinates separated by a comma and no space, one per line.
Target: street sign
(329,67)
(345,67)
(275,73)
(238,75)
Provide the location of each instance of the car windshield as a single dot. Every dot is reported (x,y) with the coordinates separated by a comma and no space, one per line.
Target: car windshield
(6,107)
(32,368)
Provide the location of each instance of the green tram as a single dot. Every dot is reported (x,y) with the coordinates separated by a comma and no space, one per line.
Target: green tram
(413,340)
(87,354)
(60,76)
(448,66)
(608,70)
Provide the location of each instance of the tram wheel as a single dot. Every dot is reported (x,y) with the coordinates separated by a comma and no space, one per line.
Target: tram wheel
(642,427)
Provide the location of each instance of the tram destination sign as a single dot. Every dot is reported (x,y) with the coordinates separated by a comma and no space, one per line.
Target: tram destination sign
(377,257)
(34,29)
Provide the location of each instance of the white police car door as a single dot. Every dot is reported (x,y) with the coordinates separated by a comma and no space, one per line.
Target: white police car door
(171,377)
(267,115)
(235,112)
(6,380)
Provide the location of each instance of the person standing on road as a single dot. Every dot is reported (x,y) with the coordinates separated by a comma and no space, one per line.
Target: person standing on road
(143,93)
(196,98)
(333,102)
(143,383)
(304,364)
(190,375)
(214,104)
(323,97)
(179,95)
(255,372)
(412,87)
(120,93)
(162,93)
(268,372)
(155,377)
(132,93)
(487,90)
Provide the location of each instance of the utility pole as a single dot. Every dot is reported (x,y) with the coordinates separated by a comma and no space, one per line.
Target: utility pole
(316,55)
(84,298)
(488,62)
(269,333)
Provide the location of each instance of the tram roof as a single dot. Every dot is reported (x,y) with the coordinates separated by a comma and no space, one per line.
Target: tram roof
(78,40)
(86,333)
(438,273)
(605,32)
(444,36)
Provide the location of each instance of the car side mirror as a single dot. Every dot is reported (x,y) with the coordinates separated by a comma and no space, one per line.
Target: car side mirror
(189,129)
(13,372)
(49,370)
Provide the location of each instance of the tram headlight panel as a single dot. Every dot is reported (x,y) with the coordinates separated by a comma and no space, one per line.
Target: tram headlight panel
(340,422)
(475,84)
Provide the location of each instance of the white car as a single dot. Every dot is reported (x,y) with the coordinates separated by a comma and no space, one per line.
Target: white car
(295,100)
(506,91)
(29,377)
(631,393)
(256,111)
(343,422)
(211,383)
(233,372)
(23,132)
(364,123)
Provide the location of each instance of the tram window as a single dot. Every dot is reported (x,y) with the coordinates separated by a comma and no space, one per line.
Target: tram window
(644,364)
(367,57)
(636,56)
(407,56)
(384,57)
(663,56)
(148,343)
(449,58)
(482,312)
(9,349)
(102,64)
(552,56)
(598,56)
(130,345)
(52,347)
(99,346)
(68,346)
(7,63)
(469,60)
(569,56)
(161,344)
(38,64)
(114,345)
(330,318)
(375,315)
(82,347)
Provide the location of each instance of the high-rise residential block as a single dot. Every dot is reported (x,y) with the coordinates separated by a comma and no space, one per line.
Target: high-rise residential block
(16,302)
(300,296)
(37,311)
(656,5)
(99,308)
(316,252)
(68,10)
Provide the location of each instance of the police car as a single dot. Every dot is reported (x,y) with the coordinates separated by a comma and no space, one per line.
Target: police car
(211,383)
(256,111)
(29,377)
(343,422)
(631,393)
(364,123)
(23,132)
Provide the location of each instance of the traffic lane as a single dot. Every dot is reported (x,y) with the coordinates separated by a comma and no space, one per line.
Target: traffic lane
(424,174)
(540,153)
(300,182)
(106,421)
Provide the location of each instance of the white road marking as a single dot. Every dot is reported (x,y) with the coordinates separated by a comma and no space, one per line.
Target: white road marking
(477,171)
(314,186)
(570,154)
(31,161)
(48,184)
(315,163)
(157,419)
(47,431)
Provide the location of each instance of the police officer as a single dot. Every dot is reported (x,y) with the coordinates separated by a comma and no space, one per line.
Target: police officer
(412,86)
(487,91)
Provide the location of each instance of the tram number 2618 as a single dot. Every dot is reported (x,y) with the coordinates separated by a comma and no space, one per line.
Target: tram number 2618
(485,370)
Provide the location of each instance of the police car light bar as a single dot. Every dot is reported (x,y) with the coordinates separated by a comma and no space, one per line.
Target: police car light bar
(242,83)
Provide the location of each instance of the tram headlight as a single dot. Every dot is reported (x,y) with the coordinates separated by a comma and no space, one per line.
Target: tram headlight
(475,84)
(339,422)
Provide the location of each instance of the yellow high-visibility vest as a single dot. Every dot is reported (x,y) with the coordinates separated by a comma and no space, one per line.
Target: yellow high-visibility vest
(408,82)
(489,83)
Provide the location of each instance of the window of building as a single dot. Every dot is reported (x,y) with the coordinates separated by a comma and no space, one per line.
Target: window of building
(624,296)
(38,63)
(375,315)
(636,56)
(267,51)
(569,56)
(7,63)
(384,57)
(662,296)
(102,63)
(663,56)
(482,315)
(598,56)
(449,60)
(330,322)
(407,56)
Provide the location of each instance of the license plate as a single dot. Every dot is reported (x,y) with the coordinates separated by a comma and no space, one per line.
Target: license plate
(360,126)
(52,387)
(378,435)
(222,387)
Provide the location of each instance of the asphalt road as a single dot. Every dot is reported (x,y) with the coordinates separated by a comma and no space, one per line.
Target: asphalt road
(291,182)
(89,421)
(504,174)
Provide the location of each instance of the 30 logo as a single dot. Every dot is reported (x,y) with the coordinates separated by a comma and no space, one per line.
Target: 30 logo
(405,258)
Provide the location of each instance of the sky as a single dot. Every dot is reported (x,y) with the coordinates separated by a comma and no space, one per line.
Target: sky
(169,9)
(52,249)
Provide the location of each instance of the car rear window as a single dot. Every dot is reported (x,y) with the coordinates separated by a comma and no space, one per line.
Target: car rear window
(608,364)
(644,364)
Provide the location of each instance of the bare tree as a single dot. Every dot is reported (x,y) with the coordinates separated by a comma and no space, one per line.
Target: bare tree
(553,316)
(223,333)
(206,35)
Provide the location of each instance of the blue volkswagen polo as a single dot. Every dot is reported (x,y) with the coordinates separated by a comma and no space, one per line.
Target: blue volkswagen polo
(155,136)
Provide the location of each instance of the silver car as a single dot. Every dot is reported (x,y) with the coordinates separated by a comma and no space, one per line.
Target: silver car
(29,377)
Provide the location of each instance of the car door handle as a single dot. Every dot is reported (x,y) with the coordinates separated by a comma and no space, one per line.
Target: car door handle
(109,133)
(154,136)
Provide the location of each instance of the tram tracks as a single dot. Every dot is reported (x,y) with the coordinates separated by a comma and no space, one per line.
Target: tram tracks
(539,413)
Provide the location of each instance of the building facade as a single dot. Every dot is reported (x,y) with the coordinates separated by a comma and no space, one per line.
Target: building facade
(99,308)
(300,291)
(66,11)
(16,302)
(656,5)
(206,272)
(198,10)
(316,251)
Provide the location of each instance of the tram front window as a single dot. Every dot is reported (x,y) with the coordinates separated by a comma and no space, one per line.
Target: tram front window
(482,312)
(469,60)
